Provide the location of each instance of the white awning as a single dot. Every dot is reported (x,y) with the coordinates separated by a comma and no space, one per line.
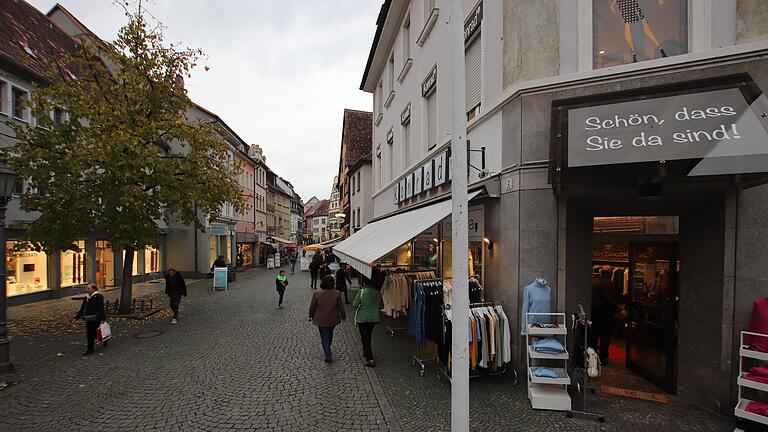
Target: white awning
(279,240)
(379,238)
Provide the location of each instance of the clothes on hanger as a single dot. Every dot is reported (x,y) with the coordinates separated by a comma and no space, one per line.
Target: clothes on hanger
(490,332)
(537,298)
(425,318)
(396,290)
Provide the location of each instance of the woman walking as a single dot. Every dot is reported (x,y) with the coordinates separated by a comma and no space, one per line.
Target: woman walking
(93,312)
(368,304)
(326,311)
(342,277)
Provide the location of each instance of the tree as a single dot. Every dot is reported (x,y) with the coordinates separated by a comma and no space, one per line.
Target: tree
(129,155)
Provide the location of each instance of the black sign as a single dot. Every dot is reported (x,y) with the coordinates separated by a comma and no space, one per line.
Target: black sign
(473,22)
(405,116)
(429,83)
(702,125)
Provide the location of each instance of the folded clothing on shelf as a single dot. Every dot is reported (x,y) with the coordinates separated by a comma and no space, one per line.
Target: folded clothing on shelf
(759,370)
(545,372)
(544,325)
(548,345)
(756,378)
(758,408)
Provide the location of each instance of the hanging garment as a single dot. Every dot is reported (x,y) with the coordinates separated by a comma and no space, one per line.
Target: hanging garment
(507,336)
(758,324)
(537,298)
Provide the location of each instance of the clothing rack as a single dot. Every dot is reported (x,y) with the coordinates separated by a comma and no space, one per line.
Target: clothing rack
(445,372)
(391,329)
(581,372)
(419,352)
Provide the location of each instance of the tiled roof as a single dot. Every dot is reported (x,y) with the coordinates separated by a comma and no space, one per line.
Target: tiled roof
(321,209)
(28,37)
(356,136)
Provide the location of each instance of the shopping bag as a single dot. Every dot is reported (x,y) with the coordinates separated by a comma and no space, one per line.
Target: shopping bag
(104,332)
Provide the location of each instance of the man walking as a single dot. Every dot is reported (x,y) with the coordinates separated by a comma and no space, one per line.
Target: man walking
(314,270)
(280,283)
(292,260)
(175,287)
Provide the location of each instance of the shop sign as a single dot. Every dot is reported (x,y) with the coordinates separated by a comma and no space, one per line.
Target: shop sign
(429,178)
(220,278)
(418,178)
(217,229)
(429,82)
(476,225)
(405,116)
(473,22)
(401,186)
(408,186)
(610,252)
(688,126)
(397,194)
(441,168)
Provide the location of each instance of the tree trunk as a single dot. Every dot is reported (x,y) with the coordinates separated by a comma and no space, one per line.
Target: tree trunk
(126,292)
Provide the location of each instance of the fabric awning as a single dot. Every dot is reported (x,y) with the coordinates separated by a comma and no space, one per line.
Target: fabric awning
(379,238)
(280,240)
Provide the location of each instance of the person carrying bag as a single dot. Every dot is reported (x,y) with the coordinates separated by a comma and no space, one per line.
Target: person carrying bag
(94,314)
(368,304)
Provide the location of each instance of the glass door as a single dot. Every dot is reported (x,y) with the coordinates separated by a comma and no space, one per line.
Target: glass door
(652,329)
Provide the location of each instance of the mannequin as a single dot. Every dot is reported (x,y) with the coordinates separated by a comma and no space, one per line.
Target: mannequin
(632,13)
(537,298)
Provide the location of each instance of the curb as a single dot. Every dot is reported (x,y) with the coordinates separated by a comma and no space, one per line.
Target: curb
(386,409)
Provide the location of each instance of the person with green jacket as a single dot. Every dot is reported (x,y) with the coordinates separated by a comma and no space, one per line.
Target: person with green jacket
(368,305)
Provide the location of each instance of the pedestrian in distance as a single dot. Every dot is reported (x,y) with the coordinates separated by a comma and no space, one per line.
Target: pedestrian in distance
(368,305)
(325,271)
(314,270)
(342,277)
(326,311)
(175,288)
(219,262)
(93,313)
(292,260)
(280,283)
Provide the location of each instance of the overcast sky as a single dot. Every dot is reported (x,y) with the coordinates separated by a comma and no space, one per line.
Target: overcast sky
(281,71)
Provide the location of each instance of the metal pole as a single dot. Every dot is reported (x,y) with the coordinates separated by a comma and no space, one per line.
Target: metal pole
(460,235)
(5,348)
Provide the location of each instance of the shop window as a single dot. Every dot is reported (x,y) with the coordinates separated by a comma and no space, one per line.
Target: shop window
(105,264)
(228,258)
(212,250)
(628,31)
(26,269)
(636,225)
(475,257)
(151,260)
(425,252)
(400,257)
(73,265)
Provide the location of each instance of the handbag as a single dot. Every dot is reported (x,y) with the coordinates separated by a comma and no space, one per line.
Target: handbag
(104,332)
(91,318)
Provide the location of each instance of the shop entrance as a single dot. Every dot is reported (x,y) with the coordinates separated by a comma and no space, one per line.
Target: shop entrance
(635,266)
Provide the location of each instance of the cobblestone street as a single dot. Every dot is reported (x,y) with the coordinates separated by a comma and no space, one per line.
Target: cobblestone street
(236,362)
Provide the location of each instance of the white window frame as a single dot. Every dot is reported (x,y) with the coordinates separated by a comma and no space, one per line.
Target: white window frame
(5,102)
(26,115)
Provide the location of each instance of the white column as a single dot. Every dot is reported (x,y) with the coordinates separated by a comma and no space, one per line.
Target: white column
(460,235)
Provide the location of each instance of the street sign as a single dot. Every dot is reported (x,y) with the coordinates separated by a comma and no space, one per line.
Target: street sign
(217,229)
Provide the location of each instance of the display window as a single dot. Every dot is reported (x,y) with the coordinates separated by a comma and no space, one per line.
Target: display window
(105,264)
(244,254)
(425,250)
(73,265)
(212,249)
(26,269)
(228,257)
(151,260)
(475,257)
(135,268)
(630,31)
(400,257)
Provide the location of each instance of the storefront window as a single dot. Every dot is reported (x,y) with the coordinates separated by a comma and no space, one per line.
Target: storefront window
(151,260)
(73,266)
(229,249)
(400,257)
(475,257)
(105,264)
(637,225)
(212,250)
(27,270)
(244,254)
(629,31)
(425,250)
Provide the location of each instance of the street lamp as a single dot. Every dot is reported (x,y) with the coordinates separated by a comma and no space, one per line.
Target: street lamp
(7,186)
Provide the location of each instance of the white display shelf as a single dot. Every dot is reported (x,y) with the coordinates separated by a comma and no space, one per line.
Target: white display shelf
(549,397)
(537,355)
(543,380)
(745,382)
(741,411)
(536,331)
(746,352)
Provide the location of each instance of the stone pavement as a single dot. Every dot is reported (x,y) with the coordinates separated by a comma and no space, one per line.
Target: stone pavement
(236,362)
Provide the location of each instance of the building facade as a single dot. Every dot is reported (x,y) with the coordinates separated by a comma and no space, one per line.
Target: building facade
(359,189)
(355,145)
(334,206)
(245,225)
(597,139)
(260,203)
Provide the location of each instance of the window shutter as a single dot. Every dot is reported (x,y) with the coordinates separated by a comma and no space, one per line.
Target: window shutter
(473,68)
(432,120)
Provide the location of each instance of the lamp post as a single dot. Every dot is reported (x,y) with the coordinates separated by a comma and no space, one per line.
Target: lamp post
(7,185)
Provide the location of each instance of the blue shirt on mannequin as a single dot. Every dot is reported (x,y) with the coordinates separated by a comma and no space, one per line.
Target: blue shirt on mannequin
(537,298)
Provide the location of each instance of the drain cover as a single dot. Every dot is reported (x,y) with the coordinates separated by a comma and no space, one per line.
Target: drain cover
(148,334)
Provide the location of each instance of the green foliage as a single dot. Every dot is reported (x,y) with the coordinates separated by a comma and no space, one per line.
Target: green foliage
(131,153)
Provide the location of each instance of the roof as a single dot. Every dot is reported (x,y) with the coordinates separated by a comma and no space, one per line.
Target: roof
(321,209)
(29,37)
(356,136)
(379,28)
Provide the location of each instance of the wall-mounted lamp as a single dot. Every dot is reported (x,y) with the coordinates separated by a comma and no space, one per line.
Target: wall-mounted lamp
(435,240)
(488,242)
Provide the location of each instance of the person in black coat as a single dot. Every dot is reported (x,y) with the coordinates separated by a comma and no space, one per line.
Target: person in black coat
(93,312)
(325,271)
(314,270)
(342,277)
(175,287)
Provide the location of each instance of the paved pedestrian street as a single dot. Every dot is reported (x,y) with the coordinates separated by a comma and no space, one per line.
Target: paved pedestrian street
(236,362)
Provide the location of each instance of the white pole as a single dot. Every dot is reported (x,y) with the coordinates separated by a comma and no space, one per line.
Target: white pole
(460,235)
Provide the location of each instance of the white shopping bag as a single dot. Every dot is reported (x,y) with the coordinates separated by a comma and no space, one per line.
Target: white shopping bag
(104,333)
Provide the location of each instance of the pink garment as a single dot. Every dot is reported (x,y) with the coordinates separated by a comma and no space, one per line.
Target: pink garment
(760,370)
(757,378)
(758,408)
(758,324)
